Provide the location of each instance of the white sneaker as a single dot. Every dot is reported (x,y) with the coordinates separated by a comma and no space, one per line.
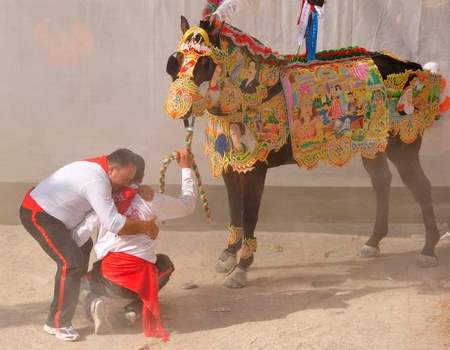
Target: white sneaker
(132,317)
(63,333)
(99,313)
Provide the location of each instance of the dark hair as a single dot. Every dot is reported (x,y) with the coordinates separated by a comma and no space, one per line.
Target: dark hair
(140,169)
(241,127)
(122,157)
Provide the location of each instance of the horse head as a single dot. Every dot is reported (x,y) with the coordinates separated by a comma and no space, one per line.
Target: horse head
(194,62)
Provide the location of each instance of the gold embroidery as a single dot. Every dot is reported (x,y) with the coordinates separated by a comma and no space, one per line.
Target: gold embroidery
(336,110)
(249,246)
(235,234)
(413,102)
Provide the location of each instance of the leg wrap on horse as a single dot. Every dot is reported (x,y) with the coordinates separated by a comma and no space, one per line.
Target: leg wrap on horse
(235,235)
(248,248)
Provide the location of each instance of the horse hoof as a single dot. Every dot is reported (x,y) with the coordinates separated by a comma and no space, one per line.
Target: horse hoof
(226,262)
(367,251)
(427,261)
(236,279)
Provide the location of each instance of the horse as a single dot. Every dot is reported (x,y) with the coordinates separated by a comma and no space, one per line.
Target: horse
(246,84)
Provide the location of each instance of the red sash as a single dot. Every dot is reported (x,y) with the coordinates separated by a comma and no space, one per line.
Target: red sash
(136,274)
(140,276)
(102,161)
(30,204)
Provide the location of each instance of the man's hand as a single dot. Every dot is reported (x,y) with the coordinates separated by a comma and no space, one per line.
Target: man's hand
(151,229)
(146,192)
(135,227)
(185,159)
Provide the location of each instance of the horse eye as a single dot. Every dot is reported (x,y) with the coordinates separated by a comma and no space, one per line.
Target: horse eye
(206,61)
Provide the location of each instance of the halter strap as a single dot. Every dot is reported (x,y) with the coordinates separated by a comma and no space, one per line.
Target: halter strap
(196,30)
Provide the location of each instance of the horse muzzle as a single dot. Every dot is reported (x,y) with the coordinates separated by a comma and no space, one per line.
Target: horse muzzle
(183,96)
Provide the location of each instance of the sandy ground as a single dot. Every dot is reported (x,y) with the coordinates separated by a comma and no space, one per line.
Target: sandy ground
(305,291)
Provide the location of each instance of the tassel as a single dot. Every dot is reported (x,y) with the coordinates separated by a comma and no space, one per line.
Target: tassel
(311,35)
(210,7)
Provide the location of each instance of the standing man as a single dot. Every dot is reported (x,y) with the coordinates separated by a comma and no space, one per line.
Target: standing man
(58,204)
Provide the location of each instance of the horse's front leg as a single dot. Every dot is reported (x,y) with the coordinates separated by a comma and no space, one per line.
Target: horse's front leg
(227,259)
(252,187)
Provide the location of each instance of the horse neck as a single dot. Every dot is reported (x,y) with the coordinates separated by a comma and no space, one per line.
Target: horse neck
(235,71)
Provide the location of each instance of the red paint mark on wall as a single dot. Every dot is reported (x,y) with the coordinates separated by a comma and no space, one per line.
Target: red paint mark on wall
(64,48)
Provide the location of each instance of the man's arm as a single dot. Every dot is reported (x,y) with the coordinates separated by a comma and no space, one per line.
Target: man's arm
(167,207)
(87,228)
(90,225)
(99,196)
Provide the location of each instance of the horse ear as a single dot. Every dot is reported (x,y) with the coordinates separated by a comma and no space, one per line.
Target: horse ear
(184,24)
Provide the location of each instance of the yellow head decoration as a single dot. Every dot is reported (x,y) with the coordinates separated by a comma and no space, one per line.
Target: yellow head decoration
(183,92)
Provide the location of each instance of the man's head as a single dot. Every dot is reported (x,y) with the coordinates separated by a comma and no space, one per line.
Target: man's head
(140,170)
(122,167)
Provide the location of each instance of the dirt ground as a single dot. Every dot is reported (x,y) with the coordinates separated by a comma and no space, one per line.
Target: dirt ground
(305,291)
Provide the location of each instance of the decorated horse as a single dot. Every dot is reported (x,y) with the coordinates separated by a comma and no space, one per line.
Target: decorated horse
(266,109)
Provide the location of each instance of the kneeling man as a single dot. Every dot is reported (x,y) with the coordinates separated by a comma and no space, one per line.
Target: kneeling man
(128,266)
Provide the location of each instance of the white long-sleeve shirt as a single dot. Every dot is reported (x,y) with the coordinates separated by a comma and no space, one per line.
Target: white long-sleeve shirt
(76,189)
(162,207)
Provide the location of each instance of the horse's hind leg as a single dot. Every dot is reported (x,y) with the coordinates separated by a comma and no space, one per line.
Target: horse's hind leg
(406,158)
(380,175)
(252,190)
(227,259)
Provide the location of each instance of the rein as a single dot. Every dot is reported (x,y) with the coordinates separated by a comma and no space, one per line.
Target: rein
(173,156)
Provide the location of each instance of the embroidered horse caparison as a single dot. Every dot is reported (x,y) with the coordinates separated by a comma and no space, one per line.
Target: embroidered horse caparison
(265,109)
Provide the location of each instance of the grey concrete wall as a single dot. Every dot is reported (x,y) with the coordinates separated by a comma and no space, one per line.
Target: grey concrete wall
(83,77)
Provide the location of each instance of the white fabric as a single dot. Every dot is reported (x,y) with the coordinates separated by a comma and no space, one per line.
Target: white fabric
(162,207)
(228,8)
(433,67)
(76,189)
(303,22)
(86,229)
(304,18)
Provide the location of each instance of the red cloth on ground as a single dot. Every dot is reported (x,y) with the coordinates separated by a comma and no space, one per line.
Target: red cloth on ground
(141,277)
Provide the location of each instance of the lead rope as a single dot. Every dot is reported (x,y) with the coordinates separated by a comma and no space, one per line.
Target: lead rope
(173,156)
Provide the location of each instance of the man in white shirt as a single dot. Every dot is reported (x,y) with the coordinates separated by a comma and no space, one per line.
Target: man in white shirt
(122,259)
(58,204)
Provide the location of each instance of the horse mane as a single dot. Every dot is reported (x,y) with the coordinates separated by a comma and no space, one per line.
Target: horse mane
(266,54)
